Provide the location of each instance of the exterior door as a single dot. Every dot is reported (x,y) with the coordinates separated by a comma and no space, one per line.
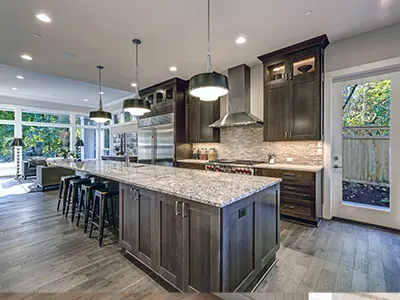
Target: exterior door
(364,139)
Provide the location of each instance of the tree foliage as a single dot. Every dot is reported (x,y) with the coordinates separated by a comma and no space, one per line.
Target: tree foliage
(366,104)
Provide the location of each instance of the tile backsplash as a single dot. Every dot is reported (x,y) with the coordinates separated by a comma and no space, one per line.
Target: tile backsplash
(246,142)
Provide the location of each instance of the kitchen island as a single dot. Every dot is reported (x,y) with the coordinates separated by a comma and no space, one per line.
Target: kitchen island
(200,231)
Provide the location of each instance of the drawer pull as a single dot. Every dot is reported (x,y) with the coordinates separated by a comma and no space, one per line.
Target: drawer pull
(289,174)
(290,206)
(183,210)
(177,213)
(289,188)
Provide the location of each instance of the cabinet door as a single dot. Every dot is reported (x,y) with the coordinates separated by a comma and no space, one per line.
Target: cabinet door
(201,259)
(193,121)
(209,113)
(137,225)
(168,238)
(304,109)
(276,123)
(128,211)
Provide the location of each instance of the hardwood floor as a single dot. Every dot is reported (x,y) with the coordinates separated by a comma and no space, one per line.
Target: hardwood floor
(41,251)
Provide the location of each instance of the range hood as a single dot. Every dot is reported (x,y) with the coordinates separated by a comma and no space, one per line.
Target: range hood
(238,100)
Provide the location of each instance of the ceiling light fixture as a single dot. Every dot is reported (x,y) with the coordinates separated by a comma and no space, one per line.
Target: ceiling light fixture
(135,105)
(101,93)
(20,77)
(43,17)
(26,57)
(240,40)
(134,84)
(208,86)
(173,69)
(37,35)
(100,116)
(14,89)
(308,13)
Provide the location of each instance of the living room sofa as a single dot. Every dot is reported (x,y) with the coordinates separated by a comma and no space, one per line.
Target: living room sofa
(48,176)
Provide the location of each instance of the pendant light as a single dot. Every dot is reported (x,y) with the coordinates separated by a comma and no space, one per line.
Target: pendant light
(208,86)
(100,116)
(135,105)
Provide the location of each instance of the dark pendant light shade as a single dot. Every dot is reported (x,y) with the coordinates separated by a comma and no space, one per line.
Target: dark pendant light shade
(136,106)
(17,142)
(100,116)
(209,86)
(79,143)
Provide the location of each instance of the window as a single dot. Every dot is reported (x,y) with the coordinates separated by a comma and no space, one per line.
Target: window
(6,136)
(44,141)
(6,114)
(45,118)
(88,136)
(84,120)
(127,117)
(116,118)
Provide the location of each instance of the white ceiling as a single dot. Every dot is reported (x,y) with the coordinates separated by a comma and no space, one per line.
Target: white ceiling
(86,33)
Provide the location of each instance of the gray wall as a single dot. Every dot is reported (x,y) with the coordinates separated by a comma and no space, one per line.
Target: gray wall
(380,44)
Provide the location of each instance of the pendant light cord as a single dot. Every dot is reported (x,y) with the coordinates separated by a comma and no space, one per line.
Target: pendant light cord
(100,100)
(208,59)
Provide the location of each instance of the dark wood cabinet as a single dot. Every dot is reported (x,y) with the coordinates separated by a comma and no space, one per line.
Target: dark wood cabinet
(193,166)
(198,247)
(137,209)
(300,193)
(293,91)
(199,115)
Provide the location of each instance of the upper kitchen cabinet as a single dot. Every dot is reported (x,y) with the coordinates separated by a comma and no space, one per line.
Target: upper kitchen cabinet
(293,91)
(199,115)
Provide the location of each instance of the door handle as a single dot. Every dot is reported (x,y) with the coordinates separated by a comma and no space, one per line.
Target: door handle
(290,135)
(177,213)
(183,210)
(336,166)
(289,188)
(285,134)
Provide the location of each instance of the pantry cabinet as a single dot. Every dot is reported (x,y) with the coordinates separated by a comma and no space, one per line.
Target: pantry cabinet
(293,91)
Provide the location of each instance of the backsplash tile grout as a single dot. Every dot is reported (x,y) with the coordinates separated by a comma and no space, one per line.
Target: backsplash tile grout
(246,142)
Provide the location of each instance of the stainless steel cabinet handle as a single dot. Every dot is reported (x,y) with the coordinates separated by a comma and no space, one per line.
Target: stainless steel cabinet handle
(289,206)
(289,188)
(184,215)
(134,194)
(285,134)
(177,212)
(289,174)
(290,135)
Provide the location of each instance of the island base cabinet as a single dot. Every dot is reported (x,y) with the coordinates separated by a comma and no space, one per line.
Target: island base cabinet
(198,247)
(137,210)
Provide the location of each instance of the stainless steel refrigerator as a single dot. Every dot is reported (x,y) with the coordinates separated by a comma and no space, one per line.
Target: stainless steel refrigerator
(156,144)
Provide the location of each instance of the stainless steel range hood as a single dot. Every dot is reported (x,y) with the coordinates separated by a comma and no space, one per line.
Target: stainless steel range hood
(238,100)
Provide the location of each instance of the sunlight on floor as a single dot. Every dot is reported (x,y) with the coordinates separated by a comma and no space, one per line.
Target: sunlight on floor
(10,186)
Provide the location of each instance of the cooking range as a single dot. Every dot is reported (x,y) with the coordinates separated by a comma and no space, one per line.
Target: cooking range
(232,166)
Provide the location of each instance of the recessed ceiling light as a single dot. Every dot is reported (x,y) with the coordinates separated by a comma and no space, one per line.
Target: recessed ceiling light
(20,77)
(101,93)
(308,13)
(86,100)
(14,89)
(37,35)
(43,17)
(26,57)
(173,69)
(134,84)
(240,40)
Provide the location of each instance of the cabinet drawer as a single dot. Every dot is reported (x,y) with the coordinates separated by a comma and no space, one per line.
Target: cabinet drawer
(289,177)
(299,191)
(298,209)
(193,166)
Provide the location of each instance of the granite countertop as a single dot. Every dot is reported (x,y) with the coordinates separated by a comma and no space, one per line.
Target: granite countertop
(192,161)
(306,168)
(212,188)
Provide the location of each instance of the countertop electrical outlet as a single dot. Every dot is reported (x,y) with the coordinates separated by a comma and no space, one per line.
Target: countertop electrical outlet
(289,159)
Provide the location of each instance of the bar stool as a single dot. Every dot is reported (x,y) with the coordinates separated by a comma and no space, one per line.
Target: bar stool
(62,192)
(100,203)
(86,202)
(73,194)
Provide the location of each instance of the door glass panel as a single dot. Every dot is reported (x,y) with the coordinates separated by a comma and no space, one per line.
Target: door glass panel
(88,136)
(366,143)
(303,66)
(276,72)
(7,165)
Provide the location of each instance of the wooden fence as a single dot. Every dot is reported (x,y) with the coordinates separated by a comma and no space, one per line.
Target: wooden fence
(366,154)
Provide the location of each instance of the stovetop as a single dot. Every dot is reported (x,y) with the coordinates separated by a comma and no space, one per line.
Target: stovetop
(236,162)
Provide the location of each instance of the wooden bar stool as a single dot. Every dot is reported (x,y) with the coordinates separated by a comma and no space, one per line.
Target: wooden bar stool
(101,196)
(73,194)
(86,202)
(62,192)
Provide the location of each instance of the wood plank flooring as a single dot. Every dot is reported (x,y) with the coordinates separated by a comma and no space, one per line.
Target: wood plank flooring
(41,251)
